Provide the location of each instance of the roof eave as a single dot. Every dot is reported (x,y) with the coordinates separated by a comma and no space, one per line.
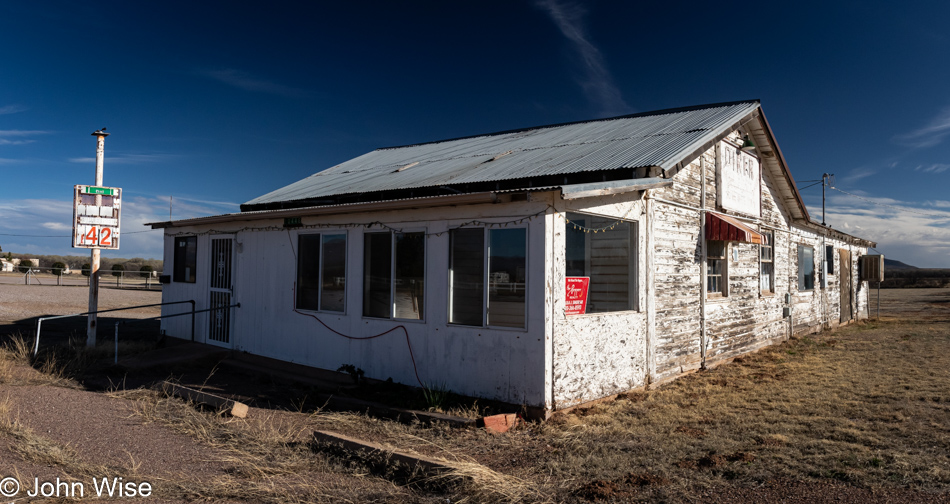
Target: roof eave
(400,204)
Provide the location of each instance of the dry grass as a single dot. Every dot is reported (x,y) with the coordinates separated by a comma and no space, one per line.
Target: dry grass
(268,460)
(866,405)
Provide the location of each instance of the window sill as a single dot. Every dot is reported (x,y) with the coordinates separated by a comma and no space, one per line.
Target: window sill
(310,311)
(489,328)
(399,320)
(599,314)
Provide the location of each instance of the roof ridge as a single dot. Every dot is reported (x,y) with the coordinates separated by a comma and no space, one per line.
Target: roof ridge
(583,121)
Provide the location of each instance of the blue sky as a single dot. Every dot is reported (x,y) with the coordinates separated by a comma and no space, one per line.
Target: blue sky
(215,103)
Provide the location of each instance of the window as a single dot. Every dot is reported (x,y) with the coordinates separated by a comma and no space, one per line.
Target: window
(806,268)
(716,274)
(186,258)
(830,259)
(767,263)
(504,274)
(321,272)
(608,257)
(394,275)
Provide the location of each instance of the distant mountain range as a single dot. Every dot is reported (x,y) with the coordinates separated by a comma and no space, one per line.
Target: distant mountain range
(892,265)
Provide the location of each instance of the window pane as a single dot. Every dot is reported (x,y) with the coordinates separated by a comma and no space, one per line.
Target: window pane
(577,255)
(186,258)
(766,277)
(410,275)
(506,277)
(467,275)
(308,271)
(608,257)
(377,273)
(334,272)
(808,268)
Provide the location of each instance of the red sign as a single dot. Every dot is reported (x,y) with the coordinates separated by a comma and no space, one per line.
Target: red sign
(576,295)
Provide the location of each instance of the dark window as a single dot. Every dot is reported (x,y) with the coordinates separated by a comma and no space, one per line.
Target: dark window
(767,263)
(467,276)
(507,258)
(333,272)
(716,275)
(308,272)
(806,268)
(377,274)
(186,258)
(410,275)
(608,257)
(505,277)
(394,275)
(321,272)
(830,259)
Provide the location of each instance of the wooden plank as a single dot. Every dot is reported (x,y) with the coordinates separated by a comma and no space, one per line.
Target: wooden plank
(370,451)
(235,408)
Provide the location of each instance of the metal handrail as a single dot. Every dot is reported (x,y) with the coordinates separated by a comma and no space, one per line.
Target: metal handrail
(39,321)
(116,360)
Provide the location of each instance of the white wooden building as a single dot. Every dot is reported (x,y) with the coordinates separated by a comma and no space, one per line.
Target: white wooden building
(543,267)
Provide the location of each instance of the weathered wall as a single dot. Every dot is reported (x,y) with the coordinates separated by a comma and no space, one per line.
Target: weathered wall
(496,363)
(594,355)
(747,318)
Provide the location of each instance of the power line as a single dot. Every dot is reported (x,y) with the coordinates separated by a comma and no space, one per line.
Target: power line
(944,216)
(69,236)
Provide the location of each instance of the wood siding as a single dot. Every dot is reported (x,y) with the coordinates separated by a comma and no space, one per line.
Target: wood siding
(746,318)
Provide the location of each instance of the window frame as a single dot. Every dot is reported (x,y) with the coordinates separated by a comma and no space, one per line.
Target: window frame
(392,275)
(322,254)
(178,276)
(723,291)
(767,235)
(486,279)
(802,275)
(633,282)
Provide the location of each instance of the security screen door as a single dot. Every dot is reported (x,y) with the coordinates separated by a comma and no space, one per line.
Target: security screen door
(219,330)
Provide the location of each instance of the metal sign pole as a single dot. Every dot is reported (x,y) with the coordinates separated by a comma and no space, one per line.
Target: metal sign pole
(94,262)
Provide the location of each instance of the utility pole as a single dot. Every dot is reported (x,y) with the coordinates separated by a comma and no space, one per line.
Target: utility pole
(826,180)
(94,262)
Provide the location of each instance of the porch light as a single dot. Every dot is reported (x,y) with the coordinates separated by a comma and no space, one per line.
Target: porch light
(747,145)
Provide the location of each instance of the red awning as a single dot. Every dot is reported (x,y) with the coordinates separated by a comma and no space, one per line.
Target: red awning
(725,228)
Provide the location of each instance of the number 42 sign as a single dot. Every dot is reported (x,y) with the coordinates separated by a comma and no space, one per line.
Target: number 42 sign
(96,213)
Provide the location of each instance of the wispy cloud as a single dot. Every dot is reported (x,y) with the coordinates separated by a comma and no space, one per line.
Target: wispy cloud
(57,226)
(243,80)
(931,134)
(933,168)
(914,232)
(19,137)
(226,204)
(596,82)
(11,109)
(858,174)
(127,158)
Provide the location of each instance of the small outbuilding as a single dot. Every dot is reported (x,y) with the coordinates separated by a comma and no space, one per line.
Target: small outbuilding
(544,267)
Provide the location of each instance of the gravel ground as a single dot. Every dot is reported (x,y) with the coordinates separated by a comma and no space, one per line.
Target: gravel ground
(18,302)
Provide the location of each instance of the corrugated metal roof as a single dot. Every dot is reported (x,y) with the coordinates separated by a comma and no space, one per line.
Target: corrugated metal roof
(655,139)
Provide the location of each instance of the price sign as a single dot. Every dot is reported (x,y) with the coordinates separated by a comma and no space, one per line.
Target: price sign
(96,214)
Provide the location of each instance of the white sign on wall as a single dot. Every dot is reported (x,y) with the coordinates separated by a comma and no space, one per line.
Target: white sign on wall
(739,180)
(96,216)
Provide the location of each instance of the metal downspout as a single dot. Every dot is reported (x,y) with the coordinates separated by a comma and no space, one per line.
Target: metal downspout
(702,264)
